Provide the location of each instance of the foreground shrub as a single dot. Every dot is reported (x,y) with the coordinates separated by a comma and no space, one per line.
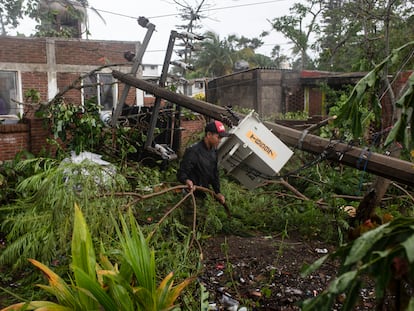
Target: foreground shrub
(132,285)
(38,224)
(384,255)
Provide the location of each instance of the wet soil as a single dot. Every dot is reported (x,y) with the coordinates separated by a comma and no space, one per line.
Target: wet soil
(263,273)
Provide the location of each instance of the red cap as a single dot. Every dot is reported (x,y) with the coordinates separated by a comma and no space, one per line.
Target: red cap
(217,127)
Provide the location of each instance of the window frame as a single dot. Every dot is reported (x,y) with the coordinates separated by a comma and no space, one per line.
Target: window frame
(17,96)
(98,93)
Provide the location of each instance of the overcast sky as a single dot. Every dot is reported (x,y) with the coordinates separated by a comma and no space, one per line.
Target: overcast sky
(225,17)
(247,18)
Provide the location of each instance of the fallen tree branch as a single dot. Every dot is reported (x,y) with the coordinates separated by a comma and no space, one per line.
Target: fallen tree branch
(190,193)
(289,187)
(76,82)
(359,198)
(403,190)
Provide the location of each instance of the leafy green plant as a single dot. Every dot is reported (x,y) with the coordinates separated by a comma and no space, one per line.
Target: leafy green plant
(32,95)
(102,285)
(384,254)
(365,92)
(126,139)
(80,127)
(38,224)
(298,115)
(11,175)
(141,260)
(400,132)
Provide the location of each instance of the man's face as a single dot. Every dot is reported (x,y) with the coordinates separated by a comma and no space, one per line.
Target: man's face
(213,139)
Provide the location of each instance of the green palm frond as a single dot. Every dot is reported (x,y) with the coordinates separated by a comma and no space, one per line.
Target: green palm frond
(40,223)
(31,235)
(138,254)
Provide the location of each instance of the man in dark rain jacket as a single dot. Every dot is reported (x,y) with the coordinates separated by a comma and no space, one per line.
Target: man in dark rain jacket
(199,164)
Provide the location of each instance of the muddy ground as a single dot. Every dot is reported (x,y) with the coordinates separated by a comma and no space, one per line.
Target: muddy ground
(263,273)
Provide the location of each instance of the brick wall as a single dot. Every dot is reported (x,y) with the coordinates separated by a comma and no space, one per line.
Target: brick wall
(190,131)
(13,139)
(28,136)
(91,53)
(36,81)
(39,59)
(64,80)
(32,136)
(23,50)
(44,61)
(67,51)
(39,132)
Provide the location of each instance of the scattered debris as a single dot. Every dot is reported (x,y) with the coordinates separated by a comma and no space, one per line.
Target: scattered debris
(350,210)
(106,175)
(263,278)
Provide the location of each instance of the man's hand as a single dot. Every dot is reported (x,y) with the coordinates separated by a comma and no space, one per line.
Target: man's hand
(189,184)
(221,198)
(222,201)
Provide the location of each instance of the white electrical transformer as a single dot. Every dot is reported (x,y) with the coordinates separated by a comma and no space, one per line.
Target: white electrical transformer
(252,153)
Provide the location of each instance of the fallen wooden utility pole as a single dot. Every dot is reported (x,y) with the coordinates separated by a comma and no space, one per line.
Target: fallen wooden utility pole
(361,159)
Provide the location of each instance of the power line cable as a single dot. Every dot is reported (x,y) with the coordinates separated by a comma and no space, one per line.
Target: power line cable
(241,5)
(175,14)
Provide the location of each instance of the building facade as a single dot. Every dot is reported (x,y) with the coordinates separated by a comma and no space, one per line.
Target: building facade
(50,66)
(271,92)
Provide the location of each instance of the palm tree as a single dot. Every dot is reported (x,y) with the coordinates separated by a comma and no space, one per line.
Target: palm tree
(215,58)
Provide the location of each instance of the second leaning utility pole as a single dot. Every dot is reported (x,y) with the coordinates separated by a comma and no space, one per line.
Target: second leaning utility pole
(143,22)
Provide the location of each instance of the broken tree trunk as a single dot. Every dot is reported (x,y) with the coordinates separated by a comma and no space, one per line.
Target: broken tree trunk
(361,159)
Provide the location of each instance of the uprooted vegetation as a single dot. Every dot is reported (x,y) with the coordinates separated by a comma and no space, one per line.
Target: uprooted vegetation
(251,258)
(294,217)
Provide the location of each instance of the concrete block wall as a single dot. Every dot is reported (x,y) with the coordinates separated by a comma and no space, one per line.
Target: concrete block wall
(263,90)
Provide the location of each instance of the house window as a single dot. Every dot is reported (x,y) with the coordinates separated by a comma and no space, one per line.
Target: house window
(199,85)
(100,86)
(8,92)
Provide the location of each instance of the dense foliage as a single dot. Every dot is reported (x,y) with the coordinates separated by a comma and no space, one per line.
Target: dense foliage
(338,36)
(78,126)
(99,284)
(384,254)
